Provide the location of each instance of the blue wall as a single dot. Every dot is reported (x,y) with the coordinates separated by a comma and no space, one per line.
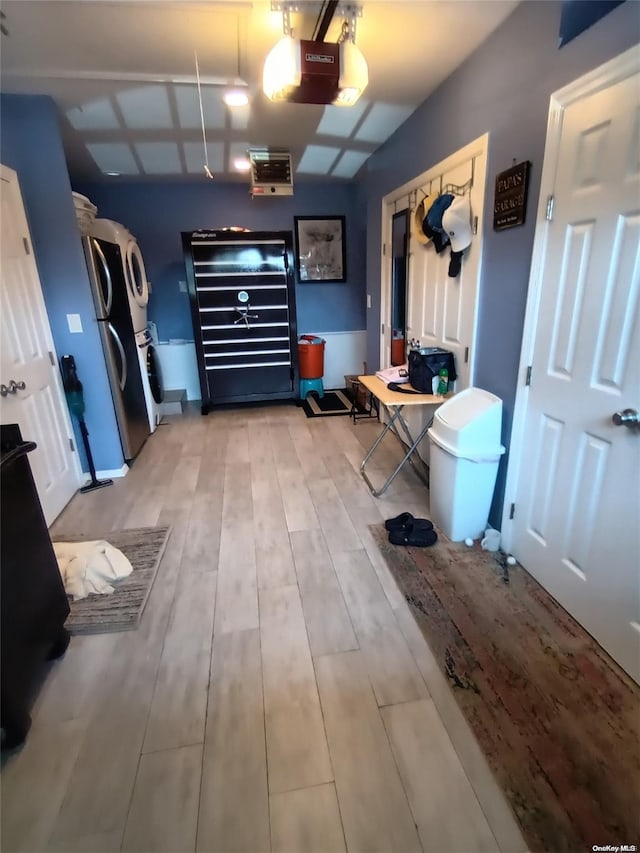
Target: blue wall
(30,144)
(157,213)
(503,89)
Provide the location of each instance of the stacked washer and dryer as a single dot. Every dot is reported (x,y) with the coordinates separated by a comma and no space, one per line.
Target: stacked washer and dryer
(138,295)
(121,292)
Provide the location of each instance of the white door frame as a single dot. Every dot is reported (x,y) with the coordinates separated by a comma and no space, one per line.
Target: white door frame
(594,81)
(9,175)
(400,198)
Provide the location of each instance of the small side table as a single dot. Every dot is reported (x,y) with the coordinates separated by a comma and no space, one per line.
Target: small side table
(395,402)
(370,408)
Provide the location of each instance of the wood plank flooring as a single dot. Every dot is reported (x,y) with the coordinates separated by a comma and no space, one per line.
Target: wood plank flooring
(277,695)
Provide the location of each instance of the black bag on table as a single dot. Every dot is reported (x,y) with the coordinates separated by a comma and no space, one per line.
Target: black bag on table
(424,366)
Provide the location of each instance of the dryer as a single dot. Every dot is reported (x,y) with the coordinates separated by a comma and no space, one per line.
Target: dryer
(133,267)
(151,377)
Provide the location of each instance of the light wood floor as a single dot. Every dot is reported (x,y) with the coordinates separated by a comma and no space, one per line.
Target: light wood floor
(278,695)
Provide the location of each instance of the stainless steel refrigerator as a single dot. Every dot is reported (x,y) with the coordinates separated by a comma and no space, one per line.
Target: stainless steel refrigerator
(109,289)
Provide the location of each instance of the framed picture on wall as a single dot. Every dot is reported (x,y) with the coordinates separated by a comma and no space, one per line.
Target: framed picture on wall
(320,248)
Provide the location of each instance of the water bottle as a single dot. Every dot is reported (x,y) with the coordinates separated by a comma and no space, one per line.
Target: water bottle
(443,383)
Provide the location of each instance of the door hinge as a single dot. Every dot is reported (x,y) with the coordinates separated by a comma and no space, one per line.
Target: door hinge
(466,355)
(527,380)
(25,243)
(384,248)
(474,228)
(382,328)
(52,359)
(72,445)
(550,202)
(512,510)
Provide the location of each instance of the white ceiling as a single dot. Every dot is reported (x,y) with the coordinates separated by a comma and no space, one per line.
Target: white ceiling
(122,73)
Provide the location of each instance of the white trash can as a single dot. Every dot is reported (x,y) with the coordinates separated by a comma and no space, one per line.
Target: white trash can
(464,455)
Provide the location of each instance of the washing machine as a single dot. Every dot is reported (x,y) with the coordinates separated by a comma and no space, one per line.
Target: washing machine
(133,267)
(151,377)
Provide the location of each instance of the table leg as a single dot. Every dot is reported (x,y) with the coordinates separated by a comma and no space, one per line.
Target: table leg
(391,425)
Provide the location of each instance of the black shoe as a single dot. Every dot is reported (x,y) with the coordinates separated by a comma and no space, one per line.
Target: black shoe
(405,521)
(420,537)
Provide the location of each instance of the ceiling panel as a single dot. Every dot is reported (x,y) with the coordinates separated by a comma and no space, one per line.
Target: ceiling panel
(49,36)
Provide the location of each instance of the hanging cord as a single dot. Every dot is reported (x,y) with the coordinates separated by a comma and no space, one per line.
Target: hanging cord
(207,170)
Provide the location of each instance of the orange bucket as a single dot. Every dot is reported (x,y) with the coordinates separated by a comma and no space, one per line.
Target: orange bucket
(311,358)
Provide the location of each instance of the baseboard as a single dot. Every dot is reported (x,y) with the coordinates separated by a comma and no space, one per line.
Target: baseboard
(173,402)
(344,354)
(179,367)
(112,474)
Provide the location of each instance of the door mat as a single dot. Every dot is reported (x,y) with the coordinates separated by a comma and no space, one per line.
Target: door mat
(555,716)
(333,403)
(121,610)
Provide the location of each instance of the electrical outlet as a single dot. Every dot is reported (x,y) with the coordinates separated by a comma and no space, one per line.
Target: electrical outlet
(182,286)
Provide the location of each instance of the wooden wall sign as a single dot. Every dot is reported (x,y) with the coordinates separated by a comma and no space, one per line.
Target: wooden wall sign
(510,205)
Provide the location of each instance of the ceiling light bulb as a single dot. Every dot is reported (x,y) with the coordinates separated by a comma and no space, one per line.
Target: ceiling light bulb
(242,164)
(236,98)
(112,174)
(282,71)
(354,75)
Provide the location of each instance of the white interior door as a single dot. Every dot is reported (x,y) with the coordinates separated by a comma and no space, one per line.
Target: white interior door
(441,311)
(576,524)
(27,358)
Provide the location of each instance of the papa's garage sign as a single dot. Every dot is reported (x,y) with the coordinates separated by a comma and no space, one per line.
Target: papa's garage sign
(510,205)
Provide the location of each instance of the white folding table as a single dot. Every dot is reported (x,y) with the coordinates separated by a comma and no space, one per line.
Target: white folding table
(395,402)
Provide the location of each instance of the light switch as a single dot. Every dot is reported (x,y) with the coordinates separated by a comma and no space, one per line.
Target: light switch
(182,285)
(75,323)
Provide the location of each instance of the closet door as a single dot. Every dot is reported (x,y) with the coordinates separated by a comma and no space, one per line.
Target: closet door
(243,307)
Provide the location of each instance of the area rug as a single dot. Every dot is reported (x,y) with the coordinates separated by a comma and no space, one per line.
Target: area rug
(333,403)
(120,610)
(557,719)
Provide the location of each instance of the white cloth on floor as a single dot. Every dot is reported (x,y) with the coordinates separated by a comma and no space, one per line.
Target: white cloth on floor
(90,567)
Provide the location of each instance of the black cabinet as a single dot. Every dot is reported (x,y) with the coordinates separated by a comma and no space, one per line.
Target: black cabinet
(34,605)
(242,295)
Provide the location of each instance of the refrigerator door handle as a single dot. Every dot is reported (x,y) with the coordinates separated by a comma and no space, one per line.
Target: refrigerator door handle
(123,379)
(107,275)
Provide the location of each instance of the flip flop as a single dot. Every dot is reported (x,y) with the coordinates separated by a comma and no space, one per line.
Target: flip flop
(405,521)
(420,537)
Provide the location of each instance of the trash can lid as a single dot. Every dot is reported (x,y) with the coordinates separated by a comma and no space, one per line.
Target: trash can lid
(469,421)
(473,453)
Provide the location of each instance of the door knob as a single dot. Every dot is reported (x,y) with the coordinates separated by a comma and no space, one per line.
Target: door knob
(627,417)
(16,386)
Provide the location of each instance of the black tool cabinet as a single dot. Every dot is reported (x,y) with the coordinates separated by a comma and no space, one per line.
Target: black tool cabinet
(242,296)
